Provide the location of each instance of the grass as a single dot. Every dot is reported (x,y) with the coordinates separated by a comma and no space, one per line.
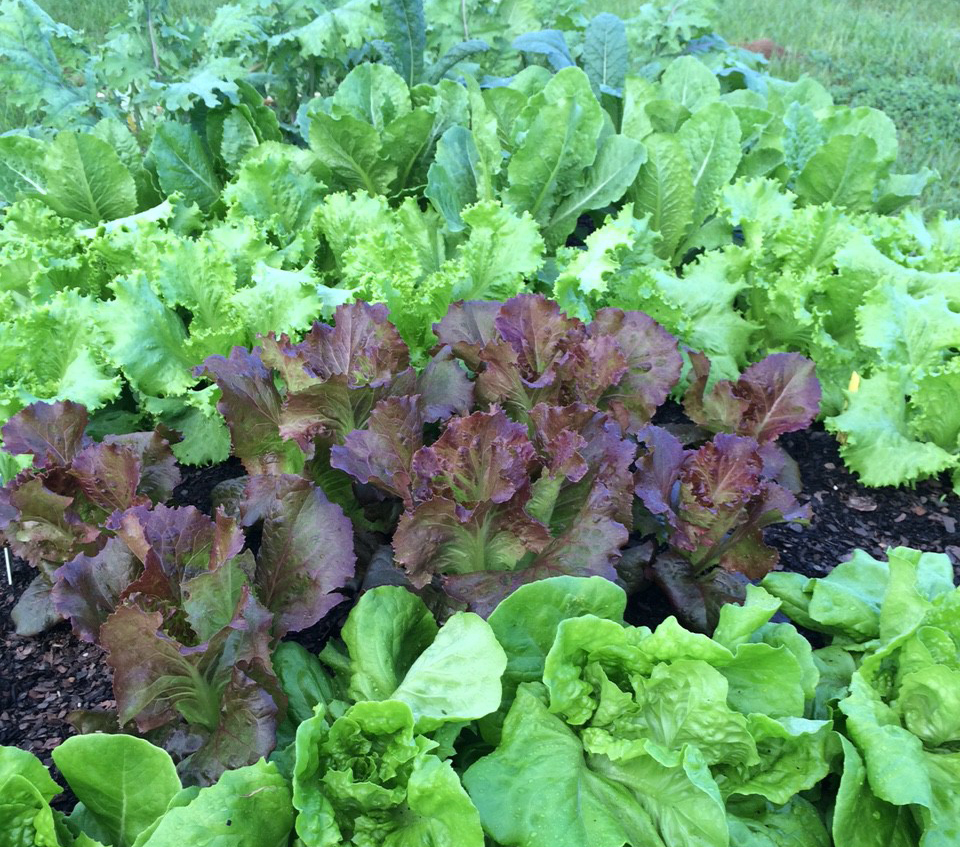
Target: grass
(901,56)
(95,17)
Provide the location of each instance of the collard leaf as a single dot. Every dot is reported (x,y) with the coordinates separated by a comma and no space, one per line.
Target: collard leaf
(605,52)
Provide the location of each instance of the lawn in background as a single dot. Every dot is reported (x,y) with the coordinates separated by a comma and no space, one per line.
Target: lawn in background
(902,56)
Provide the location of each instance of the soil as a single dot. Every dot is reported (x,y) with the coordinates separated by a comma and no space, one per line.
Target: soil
(43,679)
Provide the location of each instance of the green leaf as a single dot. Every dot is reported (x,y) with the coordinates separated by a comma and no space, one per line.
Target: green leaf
(17,762)
(556,138)
(385,633)
(605,56)
(407,32)
(457,678)
(124,783)
(147,338)
(526,622)
(454,177)
(614,171)
(350,148)
(86,181)
(842,172)
(22,172)
(248,807)
(690,83)
(373,93)
(878,444)
(25,815)
(890,825)
(184,165)
(456,54)
(538,789)
(711,140)
(664,190)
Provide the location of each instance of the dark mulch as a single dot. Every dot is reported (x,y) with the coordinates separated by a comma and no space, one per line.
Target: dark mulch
(44,678)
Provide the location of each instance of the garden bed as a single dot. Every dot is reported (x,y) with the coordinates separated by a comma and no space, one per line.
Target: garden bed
(43,679)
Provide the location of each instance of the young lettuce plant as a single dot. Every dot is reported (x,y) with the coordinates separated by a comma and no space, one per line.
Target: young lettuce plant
(189,617)
(378,714)
(619,735)
(711,505)
(57,508)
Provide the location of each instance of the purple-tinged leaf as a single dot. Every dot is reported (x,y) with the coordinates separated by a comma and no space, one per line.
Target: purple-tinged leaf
(444,387)
(592,367)
(363,346)
(697,597)
(778,394)
(438,537)
(539,332)
(251,405)
(658,471)
(246,732)
(51,432)
(467,328)
(306,553)
(558,439)
(653,365)
(159,472)
(8,512)
(175,545)
(46,528)
(717,483)
(382,453)
(88,588)
(108,474)
(212,687)
(481,458)
(35,612)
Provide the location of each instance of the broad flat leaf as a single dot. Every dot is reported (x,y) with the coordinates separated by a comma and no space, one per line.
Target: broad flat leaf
(690,83)
(457,678)
(614,171)
(124,783)
(557,137)
(306,554)
(605,55)
(248,807)
(86,181)
(183,164)
(711,140)
(385,633)
(842,172)
(454,178)
(664,190)
(22,172)
(350,148)
(53,433)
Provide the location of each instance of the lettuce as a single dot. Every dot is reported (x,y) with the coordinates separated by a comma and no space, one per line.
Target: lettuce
(897,622)
(623,735)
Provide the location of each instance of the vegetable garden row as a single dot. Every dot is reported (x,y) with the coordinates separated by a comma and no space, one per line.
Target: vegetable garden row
(442,280)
